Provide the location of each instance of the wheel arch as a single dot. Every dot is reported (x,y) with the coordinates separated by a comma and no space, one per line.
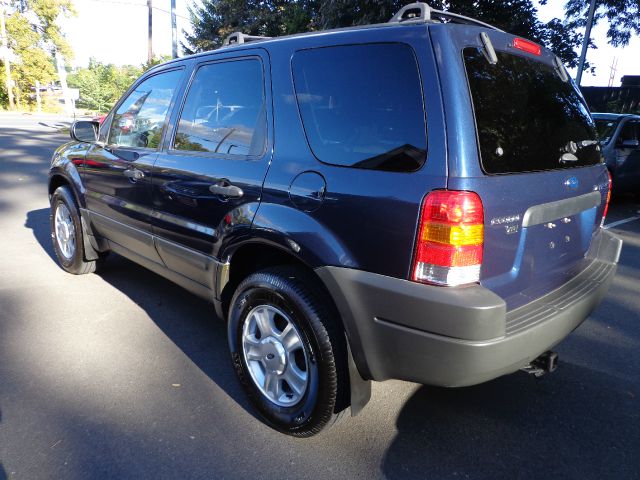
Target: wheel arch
(259,254)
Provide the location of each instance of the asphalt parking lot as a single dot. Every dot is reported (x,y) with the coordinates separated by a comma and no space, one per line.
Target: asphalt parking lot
(121,374)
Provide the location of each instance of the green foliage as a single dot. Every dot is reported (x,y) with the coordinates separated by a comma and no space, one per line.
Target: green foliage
(34,63)
(519,17)
(48,12)
(102,85)
(216,19)
(623,17)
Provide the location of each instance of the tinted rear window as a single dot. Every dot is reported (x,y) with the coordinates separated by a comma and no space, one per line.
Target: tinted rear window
(528,118)
(361,105)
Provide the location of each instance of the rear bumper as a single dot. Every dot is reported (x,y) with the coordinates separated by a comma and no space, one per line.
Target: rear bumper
(459,336)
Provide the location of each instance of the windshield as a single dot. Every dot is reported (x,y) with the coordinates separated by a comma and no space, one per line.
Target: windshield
(527,118)
(605,129)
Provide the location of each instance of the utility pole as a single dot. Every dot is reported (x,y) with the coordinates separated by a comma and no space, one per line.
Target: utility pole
(174,31)
(150,45)
(5,59)
(585,41)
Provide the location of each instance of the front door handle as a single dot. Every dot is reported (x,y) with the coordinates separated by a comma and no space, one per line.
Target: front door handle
(230,191)
(134,174)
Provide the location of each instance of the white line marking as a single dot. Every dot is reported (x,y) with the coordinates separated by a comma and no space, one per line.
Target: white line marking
(620,222)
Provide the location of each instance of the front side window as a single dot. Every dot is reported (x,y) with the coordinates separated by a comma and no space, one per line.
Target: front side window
(139,120)
(224,112)
(361,105)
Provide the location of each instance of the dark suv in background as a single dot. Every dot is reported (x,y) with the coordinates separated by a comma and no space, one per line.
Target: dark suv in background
(419,200)
(620,137)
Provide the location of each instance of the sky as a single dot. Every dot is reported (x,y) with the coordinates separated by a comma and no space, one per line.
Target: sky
(115,31)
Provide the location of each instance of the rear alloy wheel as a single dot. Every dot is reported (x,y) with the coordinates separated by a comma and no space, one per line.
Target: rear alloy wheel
(66,233)
(289,350)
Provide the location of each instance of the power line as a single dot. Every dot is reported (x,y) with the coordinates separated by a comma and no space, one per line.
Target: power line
(133,4)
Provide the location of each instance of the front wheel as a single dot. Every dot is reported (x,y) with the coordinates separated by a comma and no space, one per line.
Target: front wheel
(288,350)
(66,233)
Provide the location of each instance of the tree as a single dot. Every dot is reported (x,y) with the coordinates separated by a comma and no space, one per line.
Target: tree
(102,85)
(623,17)
(214,20)
(519,17)
(48,12)
(34,36)
(34,63)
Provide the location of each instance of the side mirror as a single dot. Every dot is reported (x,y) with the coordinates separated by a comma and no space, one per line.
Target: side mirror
(83,131)
(629,144)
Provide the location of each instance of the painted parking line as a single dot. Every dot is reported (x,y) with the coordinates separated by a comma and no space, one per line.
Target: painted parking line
(620,222)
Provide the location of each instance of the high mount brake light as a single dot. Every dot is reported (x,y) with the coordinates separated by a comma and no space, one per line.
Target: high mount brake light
(450,239)
(606,205)
(527,46)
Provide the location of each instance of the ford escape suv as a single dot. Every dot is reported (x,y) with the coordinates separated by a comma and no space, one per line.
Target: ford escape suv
(418,200)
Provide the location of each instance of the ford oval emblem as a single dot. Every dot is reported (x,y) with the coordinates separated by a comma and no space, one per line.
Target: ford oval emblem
(572,183)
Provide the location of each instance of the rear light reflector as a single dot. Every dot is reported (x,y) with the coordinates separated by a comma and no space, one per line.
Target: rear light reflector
(606,205)
(450,239)
(527,46)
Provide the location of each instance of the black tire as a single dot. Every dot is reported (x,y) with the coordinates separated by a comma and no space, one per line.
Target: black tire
(74,262)
(296,293)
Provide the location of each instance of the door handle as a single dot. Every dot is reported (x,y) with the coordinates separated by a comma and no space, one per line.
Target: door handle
(134,174)
(230,191)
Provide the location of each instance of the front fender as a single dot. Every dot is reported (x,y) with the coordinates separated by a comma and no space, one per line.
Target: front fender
(66,164)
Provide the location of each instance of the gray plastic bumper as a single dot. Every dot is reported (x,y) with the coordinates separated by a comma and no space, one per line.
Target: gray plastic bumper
(459,336)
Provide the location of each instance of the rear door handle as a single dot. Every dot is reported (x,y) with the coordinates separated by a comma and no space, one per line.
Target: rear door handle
(230,191)
(134,174)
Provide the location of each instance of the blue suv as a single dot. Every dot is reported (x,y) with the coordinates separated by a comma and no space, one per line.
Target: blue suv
(419,200)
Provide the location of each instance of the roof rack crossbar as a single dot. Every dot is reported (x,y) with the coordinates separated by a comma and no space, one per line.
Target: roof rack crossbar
(236,38)
(454,17)
(422,12)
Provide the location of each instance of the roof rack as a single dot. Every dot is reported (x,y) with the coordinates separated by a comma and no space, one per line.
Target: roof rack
(236,38)
(422,12)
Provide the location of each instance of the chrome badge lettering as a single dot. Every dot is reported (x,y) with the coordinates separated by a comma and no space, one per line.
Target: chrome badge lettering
(511,223)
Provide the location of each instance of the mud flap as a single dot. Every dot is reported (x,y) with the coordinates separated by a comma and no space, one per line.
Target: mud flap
(360,388)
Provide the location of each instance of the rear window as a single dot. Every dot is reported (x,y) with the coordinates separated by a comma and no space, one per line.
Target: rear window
(527,118)
(361,105)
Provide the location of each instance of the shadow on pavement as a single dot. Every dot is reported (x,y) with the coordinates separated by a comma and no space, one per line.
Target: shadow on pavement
(189,322)
(580,423)
(38,222)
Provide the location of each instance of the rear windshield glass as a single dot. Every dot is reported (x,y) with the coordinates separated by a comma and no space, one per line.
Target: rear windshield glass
(361,105)
(605,129)
(527,118)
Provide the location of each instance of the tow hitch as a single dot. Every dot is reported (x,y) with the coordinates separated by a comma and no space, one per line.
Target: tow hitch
(545,363)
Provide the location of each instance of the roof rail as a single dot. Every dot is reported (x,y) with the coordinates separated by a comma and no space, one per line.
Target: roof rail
(421,12)
(236,38)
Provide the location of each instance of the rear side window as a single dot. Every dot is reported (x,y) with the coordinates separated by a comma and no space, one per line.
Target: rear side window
(362,106)
(224,112)
(527,118)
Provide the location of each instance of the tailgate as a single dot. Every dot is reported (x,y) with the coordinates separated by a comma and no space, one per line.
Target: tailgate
(537,166)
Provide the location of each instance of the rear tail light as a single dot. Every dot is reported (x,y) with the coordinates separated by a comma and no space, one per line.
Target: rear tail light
(527,46)
(606,205)
(450,239)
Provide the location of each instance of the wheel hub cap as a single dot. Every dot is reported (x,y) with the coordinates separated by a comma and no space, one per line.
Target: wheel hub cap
(64,231)
(275,355)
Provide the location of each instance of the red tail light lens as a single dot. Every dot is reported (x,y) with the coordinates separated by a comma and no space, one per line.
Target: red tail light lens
(527,46)
(606,205)
(450,239)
